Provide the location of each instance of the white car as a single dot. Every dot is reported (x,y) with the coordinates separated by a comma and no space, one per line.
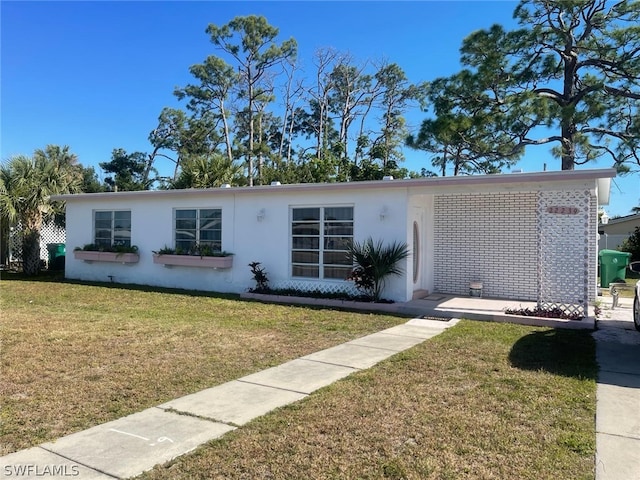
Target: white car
(635,267)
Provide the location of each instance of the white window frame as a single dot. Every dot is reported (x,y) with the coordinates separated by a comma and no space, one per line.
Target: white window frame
(114,240)
(198,230)
(322,237)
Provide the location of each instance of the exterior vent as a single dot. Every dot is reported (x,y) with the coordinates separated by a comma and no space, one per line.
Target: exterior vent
(275,184)
(225,185)
(387,177)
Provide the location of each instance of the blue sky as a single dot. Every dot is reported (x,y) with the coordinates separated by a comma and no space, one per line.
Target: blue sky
(95,75)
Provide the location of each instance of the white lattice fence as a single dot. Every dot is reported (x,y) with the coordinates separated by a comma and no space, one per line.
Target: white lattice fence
(50,233)
(305,286)
(564,248)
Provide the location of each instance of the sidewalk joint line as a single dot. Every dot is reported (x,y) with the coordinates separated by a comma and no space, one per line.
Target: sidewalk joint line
(618,435)
(353,342)
(186,413)
(272,386)
(326,362)
(78,463)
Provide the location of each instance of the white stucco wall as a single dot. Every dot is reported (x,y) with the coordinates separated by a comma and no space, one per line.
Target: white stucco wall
(484,229)
(267,241)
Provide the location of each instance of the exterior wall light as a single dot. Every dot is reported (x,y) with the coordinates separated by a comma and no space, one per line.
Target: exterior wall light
(260,215)
(383,213)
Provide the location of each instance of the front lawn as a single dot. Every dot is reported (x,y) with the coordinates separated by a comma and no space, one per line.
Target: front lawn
(73,356)
(481,400)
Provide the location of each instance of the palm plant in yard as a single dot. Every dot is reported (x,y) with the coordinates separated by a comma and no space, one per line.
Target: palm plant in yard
(26,184)
(373,263)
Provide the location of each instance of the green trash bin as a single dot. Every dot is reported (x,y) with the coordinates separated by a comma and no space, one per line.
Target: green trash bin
(57,253)
(613,266)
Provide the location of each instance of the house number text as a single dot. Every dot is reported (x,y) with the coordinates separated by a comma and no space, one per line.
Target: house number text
(563,210)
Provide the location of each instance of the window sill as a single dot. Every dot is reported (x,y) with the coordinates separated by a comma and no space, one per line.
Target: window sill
(89,257)
(193,261)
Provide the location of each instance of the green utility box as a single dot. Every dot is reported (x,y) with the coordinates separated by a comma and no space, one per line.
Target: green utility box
(57,253)
(613,266)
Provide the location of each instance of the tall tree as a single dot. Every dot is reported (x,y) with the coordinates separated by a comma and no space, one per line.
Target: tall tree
(317,122)
(469,133)
(574,69)
(350,97)
(178,135)
(26,185)
(251,43)
(209,99)
(89,180)
(128,169)
(397,95)
(293,92)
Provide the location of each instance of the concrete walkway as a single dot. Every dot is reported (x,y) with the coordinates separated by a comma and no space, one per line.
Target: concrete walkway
(618,394)
(131,445)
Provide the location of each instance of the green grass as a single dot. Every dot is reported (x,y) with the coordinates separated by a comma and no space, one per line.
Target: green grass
(73,356)
(481,400)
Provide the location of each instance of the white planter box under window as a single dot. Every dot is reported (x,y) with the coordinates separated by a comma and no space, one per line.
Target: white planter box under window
(193,261)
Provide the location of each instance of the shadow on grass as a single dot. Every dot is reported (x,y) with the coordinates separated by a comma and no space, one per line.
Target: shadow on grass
(58,277)
(570,353)
(43,276)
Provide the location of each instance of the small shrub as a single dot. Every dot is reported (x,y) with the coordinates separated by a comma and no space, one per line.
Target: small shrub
(260,277)
(165,251)
(117,248)
(374,262)
(543,312)
(196,251)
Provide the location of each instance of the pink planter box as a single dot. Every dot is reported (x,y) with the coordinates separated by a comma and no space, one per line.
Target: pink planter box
(193,261)
(89,256)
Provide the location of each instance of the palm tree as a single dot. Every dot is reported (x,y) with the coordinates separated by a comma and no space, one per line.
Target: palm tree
(60,155)
(208,171)
(374,262)
(26,184)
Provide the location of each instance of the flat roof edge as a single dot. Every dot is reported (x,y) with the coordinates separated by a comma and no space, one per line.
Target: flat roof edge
(440,182)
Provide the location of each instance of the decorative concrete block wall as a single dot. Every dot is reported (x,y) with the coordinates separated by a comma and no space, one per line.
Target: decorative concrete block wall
(538,246)
(489,238)
(567,244)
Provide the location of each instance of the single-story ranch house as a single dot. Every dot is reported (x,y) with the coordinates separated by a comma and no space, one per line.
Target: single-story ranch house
(529,236)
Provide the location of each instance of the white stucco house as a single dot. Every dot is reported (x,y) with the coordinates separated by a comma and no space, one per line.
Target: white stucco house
(529,236)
